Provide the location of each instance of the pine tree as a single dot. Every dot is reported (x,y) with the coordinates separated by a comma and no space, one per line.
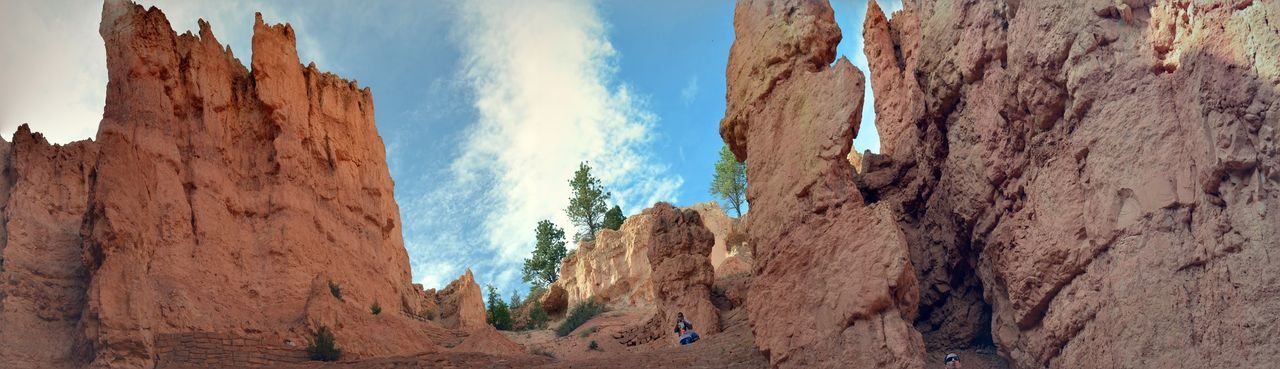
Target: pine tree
(587,206)
(730,181)
(613,218)
(543,267)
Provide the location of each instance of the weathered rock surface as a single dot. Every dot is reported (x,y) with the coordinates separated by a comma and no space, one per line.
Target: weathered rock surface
(555,301)
(613,269)
(1085,184)
(460,304)
(682,275)
(43,196)
(215,199)
(832,281)
(720,225)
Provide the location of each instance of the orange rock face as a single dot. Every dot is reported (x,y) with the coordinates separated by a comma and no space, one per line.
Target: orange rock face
(720,225)
(832,285)
(682,275)
(44,191)
(460,304)
(614,268)
(215,199)
(1090,185)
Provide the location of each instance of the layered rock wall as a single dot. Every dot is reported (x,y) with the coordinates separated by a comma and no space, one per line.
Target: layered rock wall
(44,194)
(613,268)
(216,198)
(832,281)
(1085,184)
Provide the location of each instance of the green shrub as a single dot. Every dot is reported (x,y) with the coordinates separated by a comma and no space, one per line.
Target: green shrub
(335,290)
(580,314)
(589,331)
(375,308)
(593,346)
(537,316)
(497,313)
(323,347)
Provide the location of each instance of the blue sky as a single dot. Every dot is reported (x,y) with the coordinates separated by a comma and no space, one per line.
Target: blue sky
(486,107)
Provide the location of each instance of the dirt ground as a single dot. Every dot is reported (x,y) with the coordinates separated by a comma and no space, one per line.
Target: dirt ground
(733,348)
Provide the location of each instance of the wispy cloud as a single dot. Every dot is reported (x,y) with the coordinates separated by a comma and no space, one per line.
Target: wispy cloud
(544,90)
(690,91)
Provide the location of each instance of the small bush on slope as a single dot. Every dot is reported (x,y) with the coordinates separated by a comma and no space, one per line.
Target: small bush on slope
(323,346)
(580,314)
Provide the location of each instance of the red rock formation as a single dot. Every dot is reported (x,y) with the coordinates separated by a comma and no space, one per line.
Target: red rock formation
(43,196)
(720,225)
(682,275)
(555,301)
(215,199)
(1088,185)
(613,268)
(832,283)
(461,304)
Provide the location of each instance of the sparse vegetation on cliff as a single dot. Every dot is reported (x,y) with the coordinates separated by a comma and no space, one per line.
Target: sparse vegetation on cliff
(323,346)
(580,314)
(335,290)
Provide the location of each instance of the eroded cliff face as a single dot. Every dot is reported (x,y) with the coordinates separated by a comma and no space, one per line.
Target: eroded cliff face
(832,283)
(44,191)
(215,199)
(614,268)
(1085,184)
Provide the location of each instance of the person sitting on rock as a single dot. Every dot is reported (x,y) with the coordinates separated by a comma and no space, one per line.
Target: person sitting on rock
(952,361)
(685,330)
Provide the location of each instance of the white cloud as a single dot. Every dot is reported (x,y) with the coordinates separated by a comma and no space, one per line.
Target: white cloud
(542,76)
(53,71)
(690,91)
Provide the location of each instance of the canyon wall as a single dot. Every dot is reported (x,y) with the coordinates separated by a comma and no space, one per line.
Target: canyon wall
(1086,184)
(1079,184)
(43,198)
(833,284)
(216,198)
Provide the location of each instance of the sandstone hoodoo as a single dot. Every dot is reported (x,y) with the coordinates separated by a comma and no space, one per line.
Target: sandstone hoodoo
(832,281)
(251,203)
(682,274)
